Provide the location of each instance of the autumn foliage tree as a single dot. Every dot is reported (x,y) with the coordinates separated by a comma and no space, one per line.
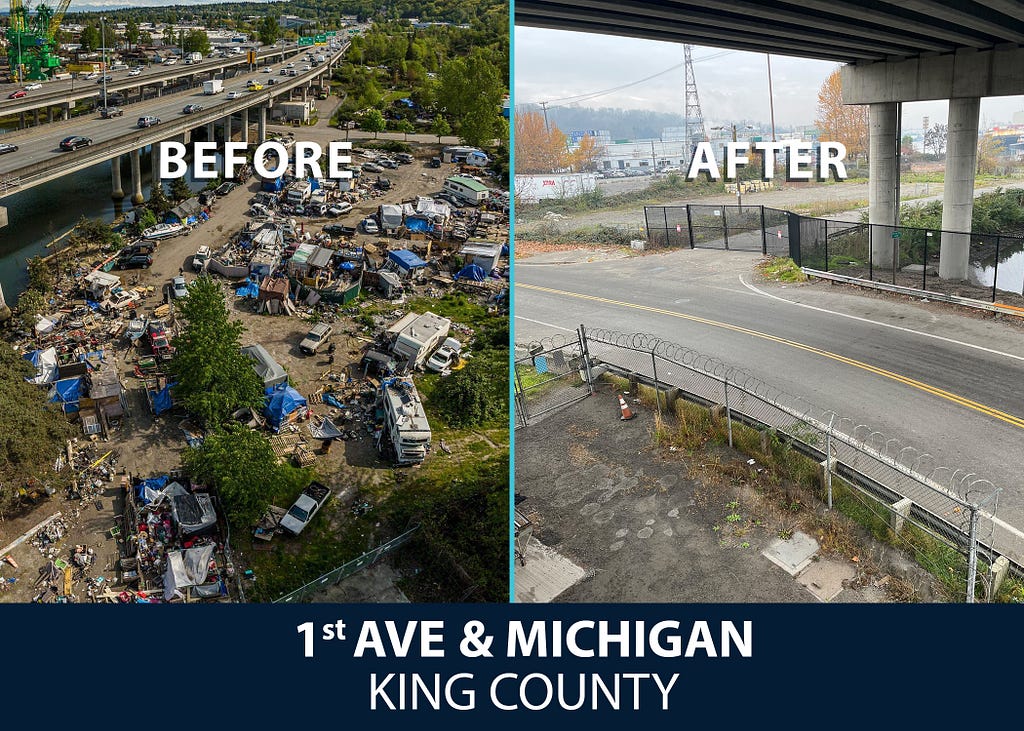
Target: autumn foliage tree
(539,148)
(838,122)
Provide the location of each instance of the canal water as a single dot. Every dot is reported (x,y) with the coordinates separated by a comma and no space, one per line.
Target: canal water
(39,215)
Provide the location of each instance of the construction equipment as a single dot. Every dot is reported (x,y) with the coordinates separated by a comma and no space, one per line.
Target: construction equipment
(32,40)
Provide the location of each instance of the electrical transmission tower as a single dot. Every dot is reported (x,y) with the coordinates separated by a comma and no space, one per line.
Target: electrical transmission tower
(694,117)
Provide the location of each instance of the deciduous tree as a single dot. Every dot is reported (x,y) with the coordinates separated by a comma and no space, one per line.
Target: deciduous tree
(470,90)
(539,149)
(373,121)
(838,122)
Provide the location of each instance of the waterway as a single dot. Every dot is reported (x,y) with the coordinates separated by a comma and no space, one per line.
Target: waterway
(39,215)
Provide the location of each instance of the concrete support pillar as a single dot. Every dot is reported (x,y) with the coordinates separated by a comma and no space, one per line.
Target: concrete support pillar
(1000,569)
(154,159)
(49,115)
(116,189)
(5,311)
(882,174)
(261,124)
(35,117)
(958,192)
(900,513)
(65,112)
(186,137)
(245,125)
(210,132)
(227,128)
(305,92)
(21,121)
(137,197)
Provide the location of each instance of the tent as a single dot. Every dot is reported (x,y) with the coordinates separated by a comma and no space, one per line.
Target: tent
(473,273)
(151,490)
(67,393)
(186,568)
(282,402)
(405,260)
(162,400)
(45,362)
(249,290)
(418,225)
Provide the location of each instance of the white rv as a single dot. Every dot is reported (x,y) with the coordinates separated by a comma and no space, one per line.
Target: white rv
(405,423)
(417,336)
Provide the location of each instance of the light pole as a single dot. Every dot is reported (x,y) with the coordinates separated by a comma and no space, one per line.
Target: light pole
(103,42)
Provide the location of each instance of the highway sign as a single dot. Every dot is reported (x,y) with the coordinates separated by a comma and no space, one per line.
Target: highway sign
(306,41)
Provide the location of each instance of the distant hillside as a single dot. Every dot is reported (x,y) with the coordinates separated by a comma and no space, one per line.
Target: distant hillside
(622,123)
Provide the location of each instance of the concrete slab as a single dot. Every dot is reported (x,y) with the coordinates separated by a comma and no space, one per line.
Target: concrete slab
(824,578)
(547,574)
(792,554)
(373,585)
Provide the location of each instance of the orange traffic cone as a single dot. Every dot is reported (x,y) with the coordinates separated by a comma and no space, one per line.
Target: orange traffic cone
(626,413)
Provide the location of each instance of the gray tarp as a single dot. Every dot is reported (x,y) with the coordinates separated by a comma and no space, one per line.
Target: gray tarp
(186,568)
(324,429)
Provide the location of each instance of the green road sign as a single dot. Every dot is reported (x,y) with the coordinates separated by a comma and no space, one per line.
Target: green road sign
(320,39)
(331,33)
(896,234)
(306,41)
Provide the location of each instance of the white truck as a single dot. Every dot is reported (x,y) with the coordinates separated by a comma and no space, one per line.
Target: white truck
(213,86)
(305,507)
(194,57)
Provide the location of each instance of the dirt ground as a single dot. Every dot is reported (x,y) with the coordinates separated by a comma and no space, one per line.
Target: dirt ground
(147,446)
(648,524)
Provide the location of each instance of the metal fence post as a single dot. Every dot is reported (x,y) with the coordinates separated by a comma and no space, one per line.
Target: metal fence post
(828,459)
(764,233)
(871,252)
(657,391)
(586,358)
(728,411)
(522,399)
(924,263)
(995,271)
(725,228)
(689,226)
(972,556)
(826,245)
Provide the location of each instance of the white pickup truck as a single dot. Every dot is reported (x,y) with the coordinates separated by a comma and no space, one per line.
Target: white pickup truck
(305,507)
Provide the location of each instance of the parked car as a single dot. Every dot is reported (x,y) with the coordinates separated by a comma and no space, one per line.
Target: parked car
(178,287)
(74,142)
(435,162)
(337,229)
(445,356)
(234,95)
(192,108)
(388,163)
(339,209)
(200,258)
(33,87)
(372,167)
(119,300)
(316,209)
(148,121)
(370,226)
(316,337)
(403,158)
(7,147)
(111,112)
(305,507)
(135,261)
(17,94)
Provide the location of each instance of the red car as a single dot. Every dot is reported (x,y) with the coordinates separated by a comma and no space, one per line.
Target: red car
(17,94)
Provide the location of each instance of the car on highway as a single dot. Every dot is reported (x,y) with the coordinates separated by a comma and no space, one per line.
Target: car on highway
(192,108)
(254,85)
(17,94)
(101,79)
(74,142)
(268,70)
(290,65)
(170,62)
(110,112)
(234,95)
(148,121)
(91,75)
(178,287)
(33,87)
(307,67)
(137,71)
(7,147)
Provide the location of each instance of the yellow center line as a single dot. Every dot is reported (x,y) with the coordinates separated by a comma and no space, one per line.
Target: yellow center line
(935,391)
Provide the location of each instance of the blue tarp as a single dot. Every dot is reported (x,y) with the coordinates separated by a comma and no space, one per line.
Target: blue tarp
(405,259)
(33,356)
(504,249)
(154,484)
(347,266)
(249,290)
(67,393)
(274,185)
(331,401)
(418,224)
(472,272)
(162,400)
(281,401)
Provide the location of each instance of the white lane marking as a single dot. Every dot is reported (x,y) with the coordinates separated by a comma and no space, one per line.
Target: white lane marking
(882,324)
(545,324)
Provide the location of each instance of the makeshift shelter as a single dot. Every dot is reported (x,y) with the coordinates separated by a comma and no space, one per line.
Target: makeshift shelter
(99,284)
(273,297)
(484,254)
(193,512)
(103,387)
(186,568)
(284,405)
(268,369)
(415,224)
(404,262)
(45,362)
(249,290)
(161,400)
(472,273)
(67,393)
(390,217)
(187,212)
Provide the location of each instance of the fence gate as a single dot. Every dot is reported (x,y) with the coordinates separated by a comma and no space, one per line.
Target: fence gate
(548,375)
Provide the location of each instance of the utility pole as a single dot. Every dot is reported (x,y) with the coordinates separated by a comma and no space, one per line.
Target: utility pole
(103,41)
(694,117)
(771,97)
(544,106)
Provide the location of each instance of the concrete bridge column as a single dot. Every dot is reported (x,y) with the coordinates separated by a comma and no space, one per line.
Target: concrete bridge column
(245,125)
(21,122)
(882,175)
(958,192)
(49,115)
(137,197)
(35,116)
(227,128)
(261,123)
(154,158)
(116,189)
(65,111)
(211,133)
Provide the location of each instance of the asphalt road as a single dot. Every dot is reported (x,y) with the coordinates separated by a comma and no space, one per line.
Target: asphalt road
(42,143)
(958,398)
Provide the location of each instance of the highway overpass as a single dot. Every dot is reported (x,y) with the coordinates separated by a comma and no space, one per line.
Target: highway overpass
(39,158)
(911,50)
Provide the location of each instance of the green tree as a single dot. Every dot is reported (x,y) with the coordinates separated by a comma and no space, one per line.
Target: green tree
(470,90)
(93,233)
(242,466)
(373,121)
(214,377)
(268,30)
(131,32)
(31,303)
(40,276)
(195,41)
(144,219)
(478,393)
(145,38)
(179,190)
(440,127)
(32,432)
(90,38)
(405,127)
(159,203)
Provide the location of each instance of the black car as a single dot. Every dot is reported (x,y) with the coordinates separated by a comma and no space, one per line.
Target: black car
(74,142)
(135,261)
(192,108)
(7,147)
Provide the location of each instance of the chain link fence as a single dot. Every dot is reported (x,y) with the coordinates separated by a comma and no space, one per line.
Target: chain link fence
(335,576)
(954,506)
(549,374)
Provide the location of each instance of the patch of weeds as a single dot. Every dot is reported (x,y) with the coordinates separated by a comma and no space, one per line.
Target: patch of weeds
(785,534)
(734,517)
(745,544)
(781,269)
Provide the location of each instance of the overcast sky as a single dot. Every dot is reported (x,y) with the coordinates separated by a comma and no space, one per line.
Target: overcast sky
(732,86)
